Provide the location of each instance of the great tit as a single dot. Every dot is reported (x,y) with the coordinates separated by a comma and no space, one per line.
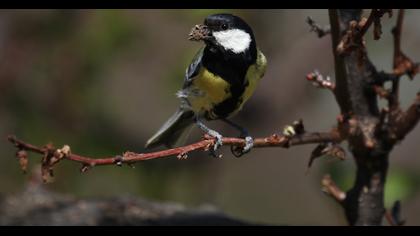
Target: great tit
(220,79)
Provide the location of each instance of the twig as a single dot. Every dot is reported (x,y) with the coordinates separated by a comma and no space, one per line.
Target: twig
(321,31)
(353,39)
(402,122)
(405,121)
(402,64)
(50,158)
(327,149)
(397,60)
(396,31)
(319,81)
(375,17)
(329,187)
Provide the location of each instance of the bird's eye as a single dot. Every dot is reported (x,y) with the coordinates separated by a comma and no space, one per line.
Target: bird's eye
(224,27)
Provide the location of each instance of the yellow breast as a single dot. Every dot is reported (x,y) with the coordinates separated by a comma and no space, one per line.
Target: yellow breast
(253,76)
(208,89)
(211,90)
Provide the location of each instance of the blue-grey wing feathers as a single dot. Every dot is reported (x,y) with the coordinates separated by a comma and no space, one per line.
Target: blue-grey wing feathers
(177,128)
(194,68)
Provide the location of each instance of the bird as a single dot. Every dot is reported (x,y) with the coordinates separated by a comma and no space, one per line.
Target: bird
(221,78)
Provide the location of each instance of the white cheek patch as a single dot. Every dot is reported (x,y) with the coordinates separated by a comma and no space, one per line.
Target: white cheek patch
(235,40)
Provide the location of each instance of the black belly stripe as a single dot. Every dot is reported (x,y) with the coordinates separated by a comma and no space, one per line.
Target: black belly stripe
(228,106)
(233,69)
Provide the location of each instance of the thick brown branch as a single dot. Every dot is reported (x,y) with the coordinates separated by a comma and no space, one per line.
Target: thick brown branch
(131,157)
(355,75)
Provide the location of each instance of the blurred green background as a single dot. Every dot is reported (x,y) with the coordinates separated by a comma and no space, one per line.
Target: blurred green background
(103,81)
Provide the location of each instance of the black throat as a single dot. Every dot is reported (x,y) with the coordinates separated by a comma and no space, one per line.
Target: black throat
(232,68)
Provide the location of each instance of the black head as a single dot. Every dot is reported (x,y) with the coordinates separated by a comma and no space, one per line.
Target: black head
(225,32)
(222,22)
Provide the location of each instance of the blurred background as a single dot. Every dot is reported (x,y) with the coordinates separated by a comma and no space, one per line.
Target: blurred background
(103,81)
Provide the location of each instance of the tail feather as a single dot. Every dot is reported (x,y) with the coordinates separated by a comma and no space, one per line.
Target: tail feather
(175,131)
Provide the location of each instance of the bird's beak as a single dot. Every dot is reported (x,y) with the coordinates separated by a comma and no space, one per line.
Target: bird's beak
(200,32)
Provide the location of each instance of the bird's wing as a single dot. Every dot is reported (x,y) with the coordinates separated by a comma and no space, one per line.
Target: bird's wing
(194,68)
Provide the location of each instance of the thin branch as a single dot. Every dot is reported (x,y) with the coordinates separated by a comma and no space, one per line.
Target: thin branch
(402,64)
(319,81)
(375,18)
(367,23)
(53,155)
(353,39)
(327,149)
(407,120)
(402,122)
(319,30)
(396,31)
(330,188)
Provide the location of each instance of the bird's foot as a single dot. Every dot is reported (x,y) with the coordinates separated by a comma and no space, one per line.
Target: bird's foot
(240,151)
(217,144)
(249,144)
(219,138)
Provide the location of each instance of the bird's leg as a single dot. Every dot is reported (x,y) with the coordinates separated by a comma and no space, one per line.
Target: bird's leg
(249,141)
(213,133)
